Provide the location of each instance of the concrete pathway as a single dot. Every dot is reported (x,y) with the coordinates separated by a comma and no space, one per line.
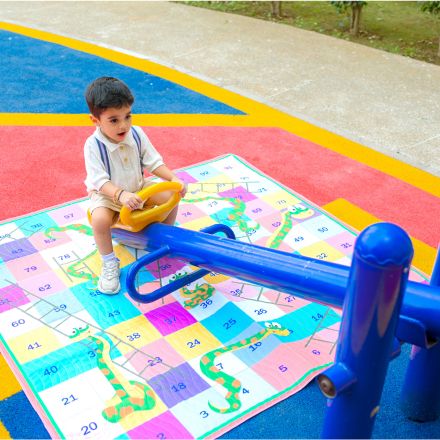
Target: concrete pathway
(383,101)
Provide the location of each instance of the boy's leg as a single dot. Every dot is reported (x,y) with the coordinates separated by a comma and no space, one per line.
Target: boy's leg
(160,199)
(102,220)
(171,219)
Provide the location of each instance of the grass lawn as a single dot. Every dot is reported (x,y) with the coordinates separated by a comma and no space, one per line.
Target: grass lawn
(397,27)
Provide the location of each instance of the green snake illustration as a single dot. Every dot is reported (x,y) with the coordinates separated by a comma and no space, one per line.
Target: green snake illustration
(72,269)
(281,232)
(233,385)
(237,215)
(296,211)
(300,211)
(130,396)
(196,296)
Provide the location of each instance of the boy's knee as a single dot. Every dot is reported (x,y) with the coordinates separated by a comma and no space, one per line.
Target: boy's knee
(159,198)
(103,218)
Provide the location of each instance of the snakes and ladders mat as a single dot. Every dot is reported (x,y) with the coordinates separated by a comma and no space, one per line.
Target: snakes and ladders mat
(191,365)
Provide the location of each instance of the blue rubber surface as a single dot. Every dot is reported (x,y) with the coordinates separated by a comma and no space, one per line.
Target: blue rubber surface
(302,415)
(20,419)
(42,77)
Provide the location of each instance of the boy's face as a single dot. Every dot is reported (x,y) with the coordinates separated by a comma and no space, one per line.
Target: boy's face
(115,123)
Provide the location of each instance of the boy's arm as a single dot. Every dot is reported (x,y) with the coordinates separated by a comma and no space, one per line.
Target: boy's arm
(164,173)
(126,198)
(153,162)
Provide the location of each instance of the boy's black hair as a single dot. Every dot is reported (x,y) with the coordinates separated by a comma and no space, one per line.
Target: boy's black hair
(107,92)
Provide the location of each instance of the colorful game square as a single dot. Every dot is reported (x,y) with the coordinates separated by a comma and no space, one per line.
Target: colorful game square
(224,361)
(204,309)
(154,359)
(273,222)
(107,310)
(240,193)
(35,344)
(299,237)
(197,416)
(135,332)
(16,249)
(193,341)
(68,214)
(281,367)
(280,199)
(43,284)
(16,322)
(163,426)
(165,267)
(170,318)
(178,384)
(238,290)
(343,242)
(189,211)
(228,322)
(58,305)
(6,277)
(251,347)
(12,296)
(308,320)
(186,177)
(323,227)
(267,218)
(287,302)
(203,172)
(259,311)
(148,288)
(36,224)
(28,267)
(321,251)
(41,241)
(10,232)
(200,223)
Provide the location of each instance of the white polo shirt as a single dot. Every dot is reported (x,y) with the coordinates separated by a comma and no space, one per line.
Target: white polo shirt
(124,161)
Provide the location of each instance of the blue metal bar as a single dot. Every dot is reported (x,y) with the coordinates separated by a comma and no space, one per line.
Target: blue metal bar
(137,266)
(420,398)
(176,284)
(161,291)
(315,280)
(218,227)
(435,278)
(376,285)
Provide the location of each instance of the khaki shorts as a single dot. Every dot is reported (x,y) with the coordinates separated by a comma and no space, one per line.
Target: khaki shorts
(99,200)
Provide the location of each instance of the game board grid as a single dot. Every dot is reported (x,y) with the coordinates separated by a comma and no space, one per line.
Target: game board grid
(161,343)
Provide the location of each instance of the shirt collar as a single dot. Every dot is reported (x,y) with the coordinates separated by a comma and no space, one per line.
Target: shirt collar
(128,141)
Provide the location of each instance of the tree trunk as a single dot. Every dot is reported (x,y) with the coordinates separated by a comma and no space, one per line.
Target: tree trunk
(356,10)
(276,9)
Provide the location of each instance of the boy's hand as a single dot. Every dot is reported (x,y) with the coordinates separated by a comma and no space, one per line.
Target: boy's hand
(131,200)
(184,186)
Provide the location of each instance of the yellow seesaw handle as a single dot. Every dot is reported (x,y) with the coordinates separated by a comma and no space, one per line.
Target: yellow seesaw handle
(139,219)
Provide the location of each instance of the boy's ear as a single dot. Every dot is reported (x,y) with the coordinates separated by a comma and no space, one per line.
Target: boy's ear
(94,119)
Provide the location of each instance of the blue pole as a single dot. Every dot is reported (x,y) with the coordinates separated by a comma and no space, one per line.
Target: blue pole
(376,285)
(312,279)
(421,390)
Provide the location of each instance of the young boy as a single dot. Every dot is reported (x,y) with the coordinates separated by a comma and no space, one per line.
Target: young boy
(115,157)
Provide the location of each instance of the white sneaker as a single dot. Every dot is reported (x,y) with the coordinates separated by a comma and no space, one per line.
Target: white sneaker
(109,280)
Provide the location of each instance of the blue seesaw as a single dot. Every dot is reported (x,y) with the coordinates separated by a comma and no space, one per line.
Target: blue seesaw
(381,309)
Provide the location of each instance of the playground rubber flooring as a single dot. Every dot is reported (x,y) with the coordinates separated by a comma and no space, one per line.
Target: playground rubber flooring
(44,122)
